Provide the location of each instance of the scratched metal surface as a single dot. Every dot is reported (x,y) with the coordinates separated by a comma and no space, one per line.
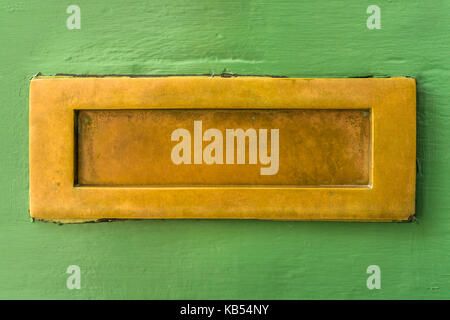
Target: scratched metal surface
(133,147)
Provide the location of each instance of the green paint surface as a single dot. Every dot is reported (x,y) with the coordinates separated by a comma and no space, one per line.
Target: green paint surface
(227,259)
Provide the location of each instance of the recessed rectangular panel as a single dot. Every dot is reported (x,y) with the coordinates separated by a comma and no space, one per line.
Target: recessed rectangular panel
(224,147)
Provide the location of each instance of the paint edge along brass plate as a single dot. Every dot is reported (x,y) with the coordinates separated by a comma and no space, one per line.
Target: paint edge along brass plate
(54,195)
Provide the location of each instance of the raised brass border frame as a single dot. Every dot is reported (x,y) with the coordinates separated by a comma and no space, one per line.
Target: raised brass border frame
(390,197)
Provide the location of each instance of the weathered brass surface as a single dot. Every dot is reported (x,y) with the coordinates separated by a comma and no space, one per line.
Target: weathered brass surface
(346,148)
(133,147)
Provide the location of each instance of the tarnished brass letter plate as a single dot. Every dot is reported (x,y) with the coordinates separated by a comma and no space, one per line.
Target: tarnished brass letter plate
(240,148)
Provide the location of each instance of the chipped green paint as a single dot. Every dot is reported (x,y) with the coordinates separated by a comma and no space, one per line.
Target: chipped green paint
(227,259)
